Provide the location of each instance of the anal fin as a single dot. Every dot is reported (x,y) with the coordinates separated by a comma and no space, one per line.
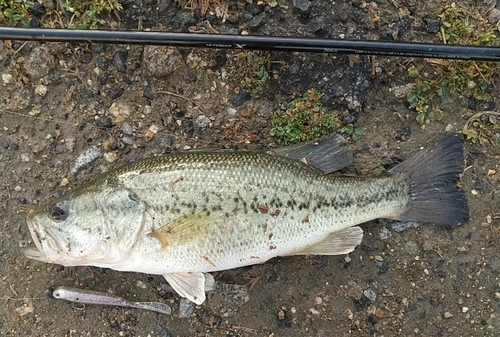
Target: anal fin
(337,243)
(191,285)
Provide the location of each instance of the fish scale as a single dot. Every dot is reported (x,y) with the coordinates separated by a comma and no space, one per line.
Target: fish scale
(223,179)
(186,214)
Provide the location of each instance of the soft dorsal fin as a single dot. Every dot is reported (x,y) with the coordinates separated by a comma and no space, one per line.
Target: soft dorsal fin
(327,154)
(191,285)
(337,243)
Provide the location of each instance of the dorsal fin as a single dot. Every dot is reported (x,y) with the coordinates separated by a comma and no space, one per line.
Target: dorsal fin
(327,154)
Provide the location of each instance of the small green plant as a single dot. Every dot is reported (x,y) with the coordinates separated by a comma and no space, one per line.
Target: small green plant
(470,80)
(14,12)
(87,12)
(252,71)
(305,118)
(479,127)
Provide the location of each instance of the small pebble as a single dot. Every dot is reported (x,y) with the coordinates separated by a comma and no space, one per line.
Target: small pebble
(186,307)
(465,309)
(18,188)
(202,121)
(385,233)
(154,129)
(119,110)
(85,159)
(110,157)
(41,90)
(120,60)
(6,78)
(127,129)
(104,122)
(448,314)
(494,16)
(127,140)
(64,182)
(318,300)
(36,110)
(314,311)
(370,294)
(163,139)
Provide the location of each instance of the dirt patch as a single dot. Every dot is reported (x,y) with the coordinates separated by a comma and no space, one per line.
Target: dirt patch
(423,281)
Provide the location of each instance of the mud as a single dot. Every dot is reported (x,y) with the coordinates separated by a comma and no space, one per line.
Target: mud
(59,100)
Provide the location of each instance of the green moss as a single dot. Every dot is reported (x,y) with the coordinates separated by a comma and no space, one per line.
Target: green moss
(252,71)
(465,79)
(305,118)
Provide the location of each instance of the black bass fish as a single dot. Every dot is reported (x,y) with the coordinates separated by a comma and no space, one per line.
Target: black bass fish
(186,214)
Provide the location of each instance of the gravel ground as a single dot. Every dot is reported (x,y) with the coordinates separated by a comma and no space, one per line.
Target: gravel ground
(72,111)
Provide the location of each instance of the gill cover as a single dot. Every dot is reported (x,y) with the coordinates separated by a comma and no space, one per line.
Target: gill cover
(97,227)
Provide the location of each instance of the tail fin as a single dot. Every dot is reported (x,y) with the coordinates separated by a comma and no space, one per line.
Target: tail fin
(432,174)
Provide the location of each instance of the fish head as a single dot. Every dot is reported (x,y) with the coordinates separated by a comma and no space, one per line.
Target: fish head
(94,226)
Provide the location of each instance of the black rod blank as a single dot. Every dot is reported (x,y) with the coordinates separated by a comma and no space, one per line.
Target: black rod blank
(248,42)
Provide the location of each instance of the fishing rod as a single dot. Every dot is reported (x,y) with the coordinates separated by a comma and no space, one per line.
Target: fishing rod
(248,42)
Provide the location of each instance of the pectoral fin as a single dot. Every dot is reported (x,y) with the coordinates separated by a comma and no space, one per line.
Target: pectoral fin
(191,285)
(337,243)
(184,229)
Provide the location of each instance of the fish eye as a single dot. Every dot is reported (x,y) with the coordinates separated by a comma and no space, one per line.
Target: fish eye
(57,212)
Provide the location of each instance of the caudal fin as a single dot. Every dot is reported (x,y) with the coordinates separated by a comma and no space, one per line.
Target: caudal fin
(432,174)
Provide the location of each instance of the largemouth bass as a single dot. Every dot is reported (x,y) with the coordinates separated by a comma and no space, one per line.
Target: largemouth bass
(186,214)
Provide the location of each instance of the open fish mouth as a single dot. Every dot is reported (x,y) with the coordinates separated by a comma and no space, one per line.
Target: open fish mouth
(35,250)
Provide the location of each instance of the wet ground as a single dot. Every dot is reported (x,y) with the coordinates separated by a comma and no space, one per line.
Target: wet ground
(128,102)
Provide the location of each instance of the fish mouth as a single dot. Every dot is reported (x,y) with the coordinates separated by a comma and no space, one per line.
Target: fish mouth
(48,242)
(34,251)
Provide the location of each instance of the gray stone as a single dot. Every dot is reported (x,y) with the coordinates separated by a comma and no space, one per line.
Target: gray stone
(240,97)
(186,308)
(494,16)
(202,121)
(432,25)
(120,60)
(104,122)
(230,31)
(39,63)
(302,7)
(160,61)
(319,26)
(258,21)
(163,140)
